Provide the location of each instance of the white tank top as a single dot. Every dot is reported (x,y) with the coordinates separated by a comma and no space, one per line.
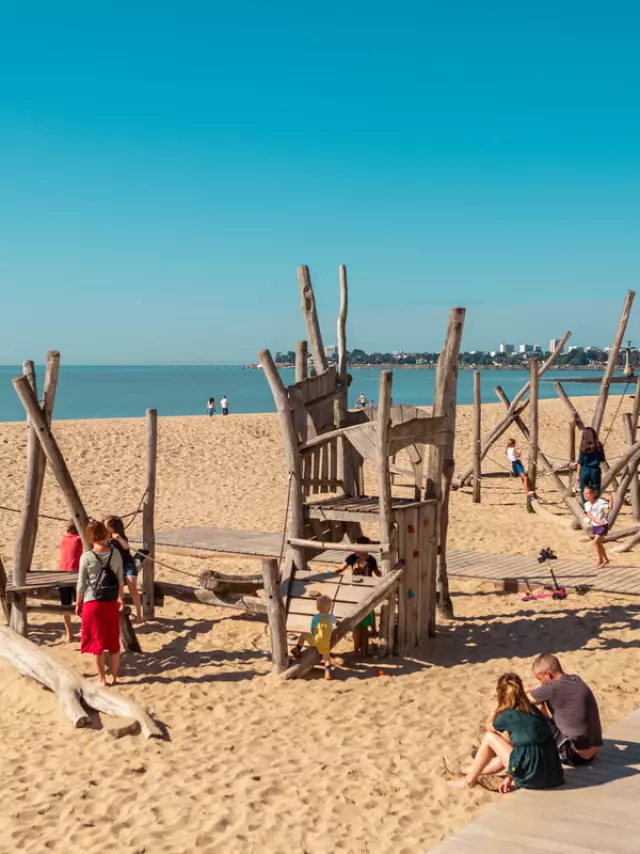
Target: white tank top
(511,453)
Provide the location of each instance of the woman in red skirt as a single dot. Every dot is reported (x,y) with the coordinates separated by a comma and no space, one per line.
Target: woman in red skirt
(99,600)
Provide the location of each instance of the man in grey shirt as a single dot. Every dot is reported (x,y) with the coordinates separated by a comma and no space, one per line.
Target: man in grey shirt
(573,708)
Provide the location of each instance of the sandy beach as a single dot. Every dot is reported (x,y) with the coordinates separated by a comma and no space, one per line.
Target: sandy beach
(251,764)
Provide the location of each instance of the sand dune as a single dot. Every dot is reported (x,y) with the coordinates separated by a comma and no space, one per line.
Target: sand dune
(251,764)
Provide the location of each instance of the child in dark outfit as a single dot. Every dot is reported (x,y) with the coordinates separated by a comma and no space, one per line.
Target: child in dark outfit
(362,563)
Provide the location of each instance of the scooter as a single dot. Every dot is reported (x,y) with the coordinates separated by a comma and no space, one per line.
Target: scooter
(548,592)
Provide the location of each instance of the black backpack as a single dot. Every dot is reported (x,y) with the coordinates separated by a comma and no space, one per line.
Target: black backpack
(107,585)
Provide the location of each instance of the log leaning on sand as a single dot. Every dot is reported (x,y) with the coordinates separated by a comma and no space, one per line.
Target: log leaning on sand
(70,688)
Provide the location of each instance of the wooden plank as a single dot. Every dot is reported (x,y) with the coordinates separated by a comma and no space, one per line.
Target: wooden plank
(309,607)
(427,566)
(148,514)
(409,520)
(404,642)
(420,431)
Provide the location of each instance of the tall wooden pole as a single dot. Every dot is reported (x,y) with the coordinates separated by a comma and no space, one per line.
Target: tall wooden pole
(295,523)
(634,486)
(502,425)
(477,437)
(342,326)
(384,490)
(534,423)
(148,514)
(301,361)
(310,314)
(614,352)
(277,616)
(442,461)
(573,412)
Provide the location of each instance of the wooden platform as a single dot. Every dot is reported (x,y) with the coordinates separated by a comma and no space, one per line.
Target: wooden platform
(303,590)
(595,812)
(43,580)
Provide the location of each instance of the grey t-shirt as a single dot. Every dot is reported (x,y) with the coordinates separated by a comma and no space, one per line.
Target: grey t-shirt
(574,709)
(90,565)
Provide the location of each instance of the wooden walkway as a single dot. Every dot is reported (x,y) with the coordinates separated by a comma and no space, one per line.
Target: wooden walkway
(595,812)
(620,577)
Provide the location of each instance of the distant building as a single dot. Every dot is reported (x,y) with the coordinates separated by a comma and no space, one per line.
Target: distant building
(331,352)
(507,349)
(553,343)
(575,347)
(525,348)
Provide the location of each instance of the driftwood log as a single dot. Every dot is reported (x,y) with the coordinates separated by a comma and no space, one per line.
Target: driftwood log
(614,352)
(71,689)
(248,604)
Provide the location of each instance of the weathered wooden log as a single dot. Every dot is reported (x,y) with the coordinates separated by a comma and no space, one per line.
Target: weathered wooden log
(310,314)
(310,657)
(5,609)
(70,688)
(501,426)
(621,493)
(148,514)
(383,421)
(634,486)
(301,361)
(342,326)
(184,593)
(534,379)
(276,615)
(365,548)
(295,523)
(477,438)
(573,412)
(612,361)
(619,464)
(629,545)
(219,582)
(441,462)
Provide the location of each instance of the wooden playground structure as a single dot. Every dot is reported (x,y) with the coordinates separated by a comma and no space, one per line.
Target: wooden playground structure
(620,475)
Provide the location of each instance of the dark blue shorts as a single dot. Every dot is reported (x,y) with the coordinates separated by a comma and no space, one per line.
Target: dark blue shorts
(517,468)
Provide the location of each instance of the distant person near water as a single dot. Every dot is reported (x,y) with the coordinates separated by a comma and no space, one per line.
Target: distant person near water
(224,404)
(590,459)
(70,554)
(361,401)
(211,406)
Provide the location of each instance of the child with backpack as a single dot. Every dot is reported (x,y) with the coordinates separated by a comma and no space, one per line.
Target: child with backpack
(120,542)
(99,600)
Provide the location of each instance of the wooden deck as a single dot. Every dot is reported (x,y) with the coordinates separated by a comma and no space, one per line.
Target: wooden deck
(43,580)
(595,812)
(620,577)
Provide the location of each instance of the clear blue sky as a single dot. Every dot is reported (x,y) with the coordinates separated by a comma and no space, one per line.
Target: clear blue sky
(166,165)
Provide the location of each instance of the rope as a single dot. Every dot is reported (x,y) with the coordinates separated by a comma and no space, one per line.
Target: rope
(286,519)
(622,397)
(133,514)
(144,557)
(40,515)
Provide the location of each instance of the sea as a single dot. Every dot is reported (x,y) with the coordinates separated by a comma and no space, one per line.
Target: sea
(127,391)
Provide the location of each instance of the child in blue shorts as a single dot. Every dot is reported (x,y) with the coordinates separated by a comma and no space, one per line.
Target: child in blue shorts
(118,540)
(517,469)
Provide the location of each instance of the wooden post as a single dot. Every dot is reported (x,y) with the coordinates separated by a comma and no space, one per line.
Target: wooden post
(441,460)
(636,409)
(310,314)
(384,491)
(573,412)
(148,514)
(295,523)
(614,352)
(571,445)
(501,426)
(621,492)
(4,605)
(634,487)
(534,436)
(342,326)
(477,437)
(277,616)
(54,456)
(301,361)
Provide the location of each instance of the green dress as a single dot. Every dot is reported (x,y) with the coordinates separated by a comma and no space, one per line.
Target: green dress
(534,761)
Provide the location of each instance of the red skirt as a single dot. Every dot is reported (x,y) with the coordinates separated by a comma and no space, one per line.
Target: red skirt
(100,627)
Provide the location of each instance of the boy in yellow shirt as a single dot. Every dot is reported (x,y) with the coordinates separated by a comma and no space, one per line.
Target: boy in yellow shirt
(322,625)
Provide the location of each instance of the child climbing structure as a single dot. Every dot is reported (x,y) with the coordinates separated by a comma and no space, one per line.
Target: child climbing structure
(326,447)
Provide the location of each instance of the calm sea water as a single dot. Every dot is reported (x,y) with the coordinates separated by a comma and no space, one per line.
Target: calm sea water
(125,392)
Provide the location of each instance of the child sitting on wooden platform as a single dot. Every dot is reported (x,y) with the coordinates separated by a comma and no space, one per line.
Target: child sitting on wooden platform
(322,625)
(362,563)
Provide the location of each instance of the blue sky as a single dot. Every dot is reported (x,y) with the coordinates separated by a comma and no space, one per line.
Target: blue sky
(166,166)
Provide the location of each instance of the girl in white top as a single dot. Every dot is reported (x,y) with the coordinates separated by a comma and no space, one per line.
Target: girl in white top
(517,469)
(597,510)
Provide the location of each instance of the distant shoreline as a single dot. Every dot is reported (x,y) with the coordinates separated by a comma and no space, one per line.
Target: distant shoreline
(393,366)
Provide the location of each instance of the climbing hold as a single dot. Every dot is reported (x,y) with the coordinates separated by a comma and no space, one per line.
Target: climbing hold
(426,522)
(380,673)
(411,594)
(411,529)
(416,554)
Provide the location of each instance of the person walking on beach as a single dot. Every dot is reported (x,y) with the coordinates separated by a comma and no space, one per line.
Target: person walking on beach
(572,708)
(517,469)
(597,510)
(519,740)
(590,459)
(118,540)
(224,404)
(70,554)
(99,596)
(211,406)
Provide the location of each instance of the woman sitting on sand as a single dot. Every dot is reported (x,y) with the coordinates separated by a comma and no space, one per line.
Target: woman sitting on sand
(99,598)
(518,740)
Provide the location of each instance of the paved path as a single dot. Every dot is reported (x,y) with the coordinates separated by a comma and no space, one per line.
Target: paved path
(595,812)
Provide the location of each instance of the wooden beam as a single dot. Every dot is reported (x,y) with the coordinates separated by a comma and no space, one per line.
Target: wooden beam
(634,486)
(621,492)
(310,657)
(614,352)
(295,523)
(5,608)
(477,438)
(310,314)
(619,464)
(501,426)
(628,546)
(342,326)
(573,412)
(301,361)
(534,433)
(382,425)
(441,462)
(365,548)
(69,687)
(277,616)
(184,593)
(148,514)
